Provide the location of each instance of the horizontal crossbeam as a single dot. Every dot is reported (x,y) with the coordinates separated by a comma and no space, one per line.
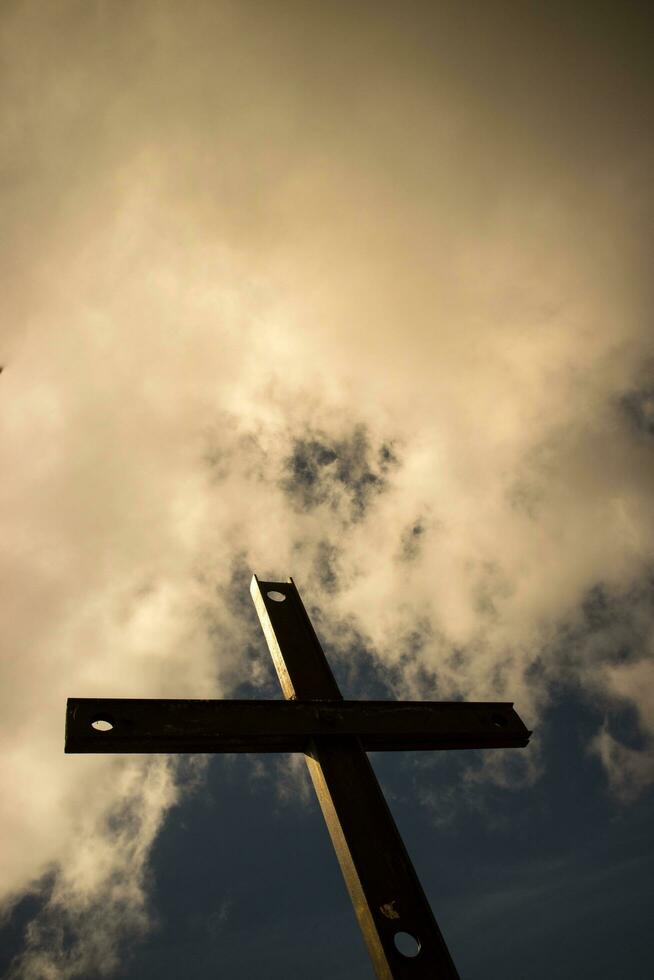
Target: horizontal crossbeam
(169,725)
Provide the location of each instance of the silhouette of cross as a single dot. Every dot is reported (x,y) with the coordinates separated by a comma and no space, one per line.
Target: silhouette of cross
(401,933)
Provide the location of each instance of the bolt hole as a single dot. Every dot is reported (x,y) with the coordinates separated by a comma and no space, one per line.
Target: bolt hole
(276,596)
(499,720)
(406,944)
(102,724)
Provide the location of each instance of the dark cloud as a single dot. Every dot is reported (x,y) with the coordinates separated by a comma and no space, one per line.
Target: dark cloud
(363,672)
(358,669)
(412,540)
(615,625)
(602,655)
(608,629)
(346,474)
(326,566)
(638,408)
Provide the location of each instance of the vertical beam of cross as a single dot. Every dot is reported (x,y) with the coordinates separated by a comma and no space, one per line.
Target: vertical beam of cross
(385,891)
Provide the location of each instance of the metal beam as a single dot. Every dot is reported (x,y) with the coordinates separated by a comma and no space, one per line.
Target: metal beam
(177,725)
(385,891)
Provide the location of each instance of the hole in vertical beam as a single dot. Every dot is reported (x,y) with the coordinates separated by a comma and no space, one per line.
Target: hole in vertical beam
(406,944)
(276,596)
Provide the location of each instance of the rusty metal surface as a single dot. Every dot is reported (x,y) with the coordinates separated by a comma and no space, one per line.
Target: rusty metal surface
(176,725)
(385,891)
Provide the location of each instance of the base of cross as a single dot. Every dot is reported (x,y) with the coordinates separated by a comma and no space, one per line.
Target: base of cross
(401,933)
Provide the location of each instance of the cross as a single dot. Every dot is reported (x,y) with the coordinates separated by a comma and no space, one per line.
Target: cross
(398,925)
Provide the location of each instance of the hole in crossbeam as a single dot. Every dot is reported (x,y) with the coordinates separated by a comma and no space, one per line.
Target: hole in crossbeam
(102,725)
(406,944)
(499,720)
(276,596)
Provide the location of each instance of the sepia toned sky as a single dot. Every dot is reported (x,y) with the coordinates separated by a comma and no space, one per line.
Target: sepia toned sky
(358,293)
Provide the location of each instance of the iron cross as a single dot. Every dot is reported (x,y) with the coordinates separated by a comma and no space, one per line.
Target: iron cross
(401,933)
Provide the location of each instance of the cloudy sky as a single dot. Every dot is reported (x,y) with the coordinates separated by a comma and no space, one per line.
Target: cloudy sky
(357,293)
